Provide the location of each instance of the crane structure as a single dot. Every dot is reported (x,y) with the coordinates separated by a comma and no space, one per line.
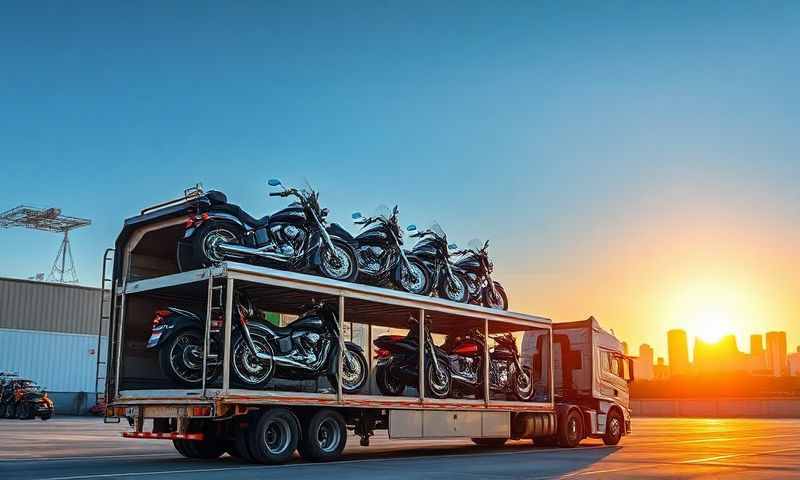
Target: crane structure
(49,220)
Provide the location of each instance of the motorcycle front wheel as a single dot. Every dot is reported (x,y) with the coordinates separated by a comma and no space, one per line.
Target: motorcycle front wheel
(523,384)
(498,301)
(455,289)
(250,371)
(355,371)
(417,279)
(438,382)
(340,263)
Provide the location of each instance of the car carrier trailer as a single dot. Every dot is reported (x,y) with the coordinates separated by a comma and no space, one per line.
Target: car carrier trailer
(579,372)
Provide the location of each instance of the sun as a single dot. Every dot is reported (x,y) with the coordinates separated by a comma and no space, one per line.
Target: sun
(711,324)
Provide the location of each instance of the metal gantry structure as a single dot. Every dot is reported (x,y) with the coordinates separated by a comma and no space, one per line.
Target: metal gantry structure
(49,220)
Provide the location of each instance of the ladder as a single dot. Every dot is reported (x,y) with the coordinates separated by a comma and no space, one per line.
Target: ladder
(106,293)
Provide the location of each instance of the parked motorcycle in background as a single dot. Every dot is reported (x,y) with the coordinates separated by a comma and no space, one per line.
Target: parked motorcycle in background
(381,258)
(294,238)
(482,289)
(434,251)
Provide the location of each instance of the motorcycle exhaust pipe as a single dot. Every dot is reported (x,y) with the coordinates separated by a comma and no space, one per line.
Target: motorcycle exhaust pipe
(460,378)
(253,252)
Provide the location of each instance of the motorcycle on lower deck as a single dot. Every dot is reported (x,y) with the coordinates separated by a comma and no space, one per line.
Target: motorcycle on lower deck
(294,238)
(306,349)
(482,289)
(398,364)
(381,258)
(434,251)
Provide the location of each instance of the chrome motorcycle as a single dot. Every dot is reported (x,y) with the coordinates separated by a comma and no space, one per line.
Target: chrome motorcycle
(434,251)
(482,289)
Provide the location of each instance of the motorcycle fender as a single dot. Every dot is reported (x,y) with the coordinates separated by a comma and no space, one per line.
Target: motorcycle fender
(317,241)
(355,347)
(336,230)
(172,324)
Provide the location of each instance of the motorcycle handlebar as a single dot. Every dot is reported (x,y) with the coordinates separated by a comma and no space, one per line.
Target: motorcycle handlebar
(275,194)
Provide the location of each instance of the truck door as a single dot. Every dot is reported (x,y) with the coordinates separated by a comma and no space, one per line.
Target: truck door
(613,377)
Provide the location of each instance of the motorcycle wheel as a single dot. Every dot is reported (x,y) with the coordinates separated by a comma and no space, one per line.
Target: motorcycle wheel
(457,290)
(248,370)
(11,410)
(499,301)
(3,407)
(339,264)
(46,416)
(418,280)
(24,411)
(387,383)
(205,241)
(522,390)
(438,384)
(181,358)
(355,372)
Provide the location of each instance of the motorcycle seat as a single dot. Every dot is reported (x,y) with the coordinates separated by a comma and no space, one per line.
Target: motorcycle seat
(237,212)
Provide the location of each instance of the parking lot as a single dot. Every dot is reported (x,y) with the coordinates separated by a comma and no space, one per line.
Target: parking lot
(73,448)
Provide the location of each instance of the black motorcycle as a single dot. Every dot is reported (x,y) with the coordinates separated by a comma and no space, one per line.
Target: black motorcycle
(306,349)
(294,238)
(24,399)
(398,364)
(482,289)
(506,373)
(381,258)
(434,251)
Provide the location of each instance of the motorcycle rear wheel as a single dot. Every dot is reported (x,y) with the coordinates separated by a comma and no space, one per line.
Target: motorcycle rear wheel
(204,244)
(387,383)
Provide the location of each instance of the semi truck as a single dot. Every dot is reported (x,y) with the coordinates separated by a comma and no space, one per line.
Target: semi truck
(580,377)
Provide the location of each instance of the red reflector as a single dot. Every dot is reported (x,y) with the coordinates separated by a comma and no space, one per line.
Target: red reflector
(164,436)
(382,353)
(201,411)
(163,313)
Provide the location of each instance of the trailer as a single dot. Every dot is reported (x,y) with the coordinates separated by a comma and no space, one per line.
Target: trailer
(578,373)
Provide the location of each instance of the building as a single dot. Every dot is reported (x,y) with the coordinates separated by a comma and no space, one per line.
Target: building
(758,359)
(719,357)
(625,348)
(660,371)
(678,351)
(49,333)
(794,363)
(776,353)
(643,364)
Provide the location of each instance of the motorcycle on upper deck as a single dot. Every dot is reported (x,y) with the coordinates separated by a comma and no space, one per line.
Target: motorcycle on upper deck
(434,251)
(381,258)
(294,238)
(482,289)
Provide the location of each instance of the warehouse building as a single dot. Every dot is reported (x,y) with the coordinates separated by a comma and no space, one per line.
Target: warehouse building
(49,333)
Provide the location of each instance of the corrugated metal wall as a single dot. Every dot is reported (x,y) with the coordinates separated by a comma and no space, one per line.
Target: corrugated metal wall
(28,305)
(59,362)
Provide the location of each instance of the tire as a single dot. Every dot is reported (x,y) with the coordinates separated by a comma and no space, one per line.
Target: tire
(615,425)
(46,416)
(241,439)
(489,442)
(524,393)
(179,358)
(387,383)
(248,371)
(183,256)
(24,411)
(274,438)
(346,266)
(205,239)
(490,301)
(420,284)
(11,410)
(3,408)
(180,446)
(437,387)
(458,292)
(570,431)
(355,372)
(209,448)
(324,436)
(549,441)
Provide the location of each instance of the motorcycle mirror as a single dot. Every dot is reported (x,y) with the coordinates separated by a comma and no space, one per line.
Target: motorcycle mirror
(273,182)
(411,228)
(452,246)
(356,215)
(324,212)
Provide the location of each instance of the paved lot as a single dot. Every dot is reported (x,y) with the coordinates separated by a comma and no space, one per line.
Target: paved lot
(73,448)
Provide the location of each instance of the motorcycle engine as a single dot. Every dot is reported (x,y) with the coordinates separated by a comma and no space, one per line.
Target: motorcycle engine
(370,258)
(465,366)
(288,239)
(500,374)
(307,346)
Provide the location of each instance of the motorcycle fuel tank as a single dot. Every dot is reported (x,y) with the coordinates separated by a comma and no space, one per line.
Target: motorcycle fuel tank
(426,249)
(469,264)
(373,236)
(307,323)
(293,214)
(502,353)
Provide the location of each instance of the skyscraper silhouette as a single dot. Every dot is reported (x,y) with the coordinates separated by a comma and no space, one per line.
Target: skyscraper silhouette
(776,353)
(678,350)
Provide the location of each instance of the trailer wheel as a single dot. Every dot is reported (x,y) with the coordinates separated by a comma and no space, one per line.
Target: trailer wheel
(180,446)
(241,440)
(324,436)
(614,428)
(570,431)
(489,442)
(274,437)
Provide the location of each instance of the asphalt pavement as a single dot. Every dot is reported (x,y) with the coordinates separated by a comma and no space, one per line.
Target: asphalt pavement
(77,448)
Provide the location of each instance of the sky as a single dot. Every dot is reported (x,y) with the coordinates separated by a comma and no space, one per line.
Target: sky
(635,161)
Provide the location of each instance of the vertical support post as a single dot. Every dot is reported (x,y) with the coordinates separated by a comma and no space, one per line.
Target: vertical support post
(370,358)
(226,363)
(341,350)
(551,374)
(207,332)
(421,386)
(486,363)
(121,327)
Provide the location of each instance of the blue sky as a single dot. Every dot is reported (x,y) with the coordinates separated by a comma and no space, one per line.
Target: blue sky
(560,130)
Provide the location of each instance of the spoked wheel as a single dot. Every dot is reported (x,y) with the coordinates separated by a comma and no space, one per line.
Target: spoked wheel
(415,279)
(523,384)
(340,263)
(355,371)
(248,369)
(324,436)
(388,384)
(182,358)
(455,288)
(274,437)
(205,244)
(438,381)
(497,299)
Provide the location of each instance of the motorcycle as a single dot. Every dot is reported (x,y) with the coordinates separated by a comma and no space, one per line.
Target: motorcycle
(434,251)
(294,238)
(398,364)
(33,402)
(506,373)
(381,258)
(306,349)
(482,289)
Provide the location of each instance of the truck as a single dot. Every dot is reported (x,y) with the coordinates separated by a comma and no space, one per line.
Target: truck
(578,372)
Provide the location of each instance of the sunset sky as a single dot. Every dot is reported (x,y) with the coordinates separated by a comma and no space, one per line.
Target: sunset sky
(635,161)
